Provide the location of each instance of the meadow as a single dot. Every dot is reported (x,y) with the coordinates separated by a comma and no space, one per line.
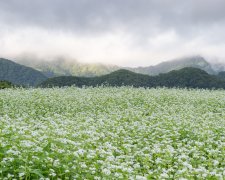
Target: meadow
(112,133)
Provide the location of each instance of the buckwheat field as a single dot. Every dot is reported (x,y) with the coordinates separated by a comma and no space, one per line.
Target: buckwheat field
(112,133)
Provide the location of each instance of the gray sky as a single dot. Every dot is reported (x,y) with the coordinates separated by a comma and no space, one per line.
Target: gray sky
(122,32)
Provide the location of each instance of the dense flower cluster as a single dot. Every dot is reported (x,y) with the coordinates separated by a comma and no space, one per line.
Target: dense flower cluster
(112,133)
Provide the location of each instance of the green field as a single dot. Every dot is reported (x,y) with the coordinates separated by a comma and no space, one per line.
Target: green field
(112,133)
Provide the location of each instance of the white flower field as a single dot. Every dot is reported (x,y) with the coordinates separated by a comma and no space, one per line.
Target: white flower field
(112,133)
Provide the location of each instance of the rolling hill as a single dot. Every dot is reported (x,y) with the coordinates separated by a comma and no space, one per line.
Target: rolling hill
(191,78)
(117,78)
(184,78)
(19,74)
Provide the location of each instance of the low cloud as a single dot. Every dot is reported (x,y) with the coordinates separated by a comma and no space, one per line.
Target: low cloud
(128,33)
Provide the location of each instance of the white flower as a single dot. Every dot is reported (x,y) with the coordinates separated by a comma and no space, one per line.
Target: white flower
(138,177)
(106,171)
(21,174)
(215,162)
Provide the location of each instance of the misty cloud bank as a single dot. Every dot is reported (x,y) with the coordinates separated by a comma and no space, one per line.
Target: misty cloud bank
(128,32)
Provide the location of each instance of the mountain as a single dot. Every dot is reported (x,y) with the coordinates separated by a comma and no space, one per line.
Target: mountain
(63,67)
(67,67)
(187,77)
(19,74)
(218,67)
(22,75)
(164,67)
(221,75)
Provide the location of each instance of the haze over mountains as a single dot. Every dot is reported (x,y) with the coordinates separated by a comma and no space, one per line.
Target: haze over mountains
(40,71)
(67,67)
(176,64)
(62,66)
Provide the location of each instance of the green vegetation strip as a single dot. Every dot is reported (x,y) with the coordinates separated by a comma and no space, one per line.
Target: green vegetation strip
(112,133)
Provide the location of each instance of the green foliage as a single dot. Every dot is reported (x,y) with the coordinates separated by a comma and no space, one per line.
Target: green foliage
(190,78)
(18,74)
(186,77)
(5,84)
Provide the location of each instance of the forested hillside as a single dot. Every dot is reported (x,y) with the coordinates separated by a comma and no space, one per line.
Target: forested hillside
(19,74)
(186,77)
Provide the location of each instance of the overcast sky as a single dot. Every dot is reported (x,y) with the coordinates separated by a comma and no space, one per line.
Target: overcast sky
(122,32)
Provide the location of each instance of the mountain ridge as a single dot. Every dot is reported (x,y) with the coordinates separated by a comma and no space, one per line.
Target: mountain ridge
(62,66)
(188,77)
(21,75)
(176,64)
